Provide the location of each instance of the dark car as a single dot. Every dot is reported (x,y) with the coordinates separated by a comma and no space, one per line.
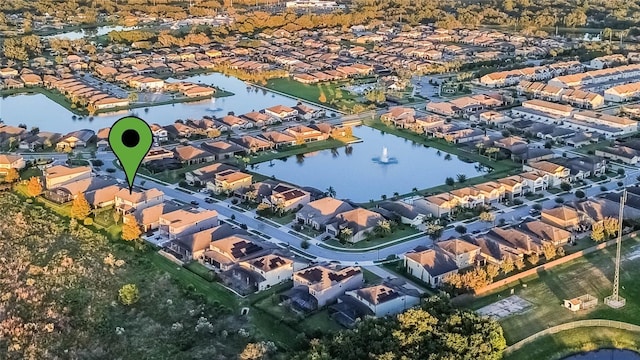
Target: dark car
(195,203)
(208,200)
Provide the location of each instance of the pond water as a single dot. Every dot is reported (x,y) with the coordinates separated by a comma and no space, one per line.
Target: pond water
(38,110)
(606,354)
(356,172)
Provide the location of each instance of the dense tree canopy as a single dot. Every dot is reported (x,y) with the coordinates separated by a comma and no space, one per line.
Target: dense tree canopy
(435,331)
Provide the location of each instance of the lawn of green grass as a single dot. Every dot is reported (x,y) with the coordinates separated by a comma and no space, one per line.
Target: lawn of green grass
(283,220)
(590,274)
(370,278)
(172,176)
(30,172)
(312,93)
(211,291)
(560,345)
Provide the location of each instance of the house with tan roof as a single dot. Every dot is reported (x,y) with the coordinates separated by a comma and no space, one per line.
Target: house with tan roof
(189,155)
(546,232)
(158,153)
(436,205)
(287,197)
(225,253)
(306,133)
(258,119)
(563,216)
(522,242)
(79,138)
(149,217)
(252,144)
(70,190)
(318,286)
(319,213)
(468,197)
(228,181)
(235,122)
(359,220)
(8,161)
(184,222)
(59,175)
(492,191)
(279,139)
(431,265)
(535,181)
(556,174)
(199,177)
(102,197)
(127,202)
(464,253)
(282,112)
(403,117)
(193,246)
(222,149)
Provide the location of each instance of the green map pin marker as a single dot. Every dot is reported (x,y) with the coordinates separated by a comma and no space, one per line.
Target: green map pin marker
(130,138)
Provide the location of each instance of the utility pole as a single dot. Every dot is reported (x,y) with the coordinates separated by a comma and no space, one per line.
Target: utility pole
(615,300)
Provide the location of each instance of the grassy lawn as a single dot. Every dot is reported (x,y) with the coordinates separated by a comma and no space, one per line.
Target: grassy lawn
(370,278)
(312,93)
(211,291)
(200,270)
(283,220)
(560,345)
(399,233)
(300,149)
(590,274)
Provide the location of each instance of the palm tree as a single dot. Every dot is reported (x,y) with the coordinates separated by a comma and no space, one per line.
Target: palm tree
(415,190)
(396,194)
(331,191)
(461,178)
(607,33)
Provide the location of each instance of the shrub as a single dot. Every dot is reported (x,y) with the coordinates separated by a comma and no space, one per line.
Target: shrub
(305,244)
(517,202)
(97,162)
(620,183)
(603,177)
(620,171)
(537,207)
(559,200)
(579,194)
(88,221)
(183,183)
(128,294)
(603,188)
(234,201)
(461,229)
(243,226)
(565,186)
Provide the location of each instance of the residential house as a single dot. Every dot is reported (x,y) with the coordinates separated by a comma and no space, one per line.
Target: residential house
(620,153)
(193,246)
(102,197)
(252,144)
(557,174)
(8,161)
(272,269)
(377,301)
(184,222)
(279,139)
(468,197)
(407,213)
(323,285)
(546,232)
(127,202)
(225,253)
(200,177)
(462,252)
(563,216)
(514,186)
(359,220)
(282,113)
(306,133)
(229,181)
(319,213)
(491,191)
(148,218)
(307,112)
(403,117)
(436,205)
(429,265)
(59,175)
(190,155)
(70,190)
(160,134)
(222,149)
(258,119)
(79,138)
(522,242)
(287,198)
(582,167)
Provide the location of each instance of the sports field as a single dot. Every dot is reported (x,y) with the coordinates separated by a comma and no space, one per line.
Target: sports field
(591,274)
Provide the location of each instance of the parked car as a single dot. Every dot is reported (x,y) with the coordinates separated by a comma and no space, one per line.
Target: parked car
(195,203)
(208,200)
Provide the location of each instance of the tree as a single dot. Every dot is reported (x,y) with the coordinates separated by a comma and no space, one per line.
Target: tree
(597,231)
(565,186)
(549,251)
(331,191)
(12,175)
(322,98)
(434,230)
(534,259)
(116,216)
(254,351)
(384,226)
(131,230)
(345,234)
(461,229)
(611,226)
(519,263)
(487,217)
(561,252)
(128,294)
(34,187)
(607,33)
(621,171)
(579,194)
(449,181)
(507,265)
(492,150)
(461,178)
(492,271)
(80,207)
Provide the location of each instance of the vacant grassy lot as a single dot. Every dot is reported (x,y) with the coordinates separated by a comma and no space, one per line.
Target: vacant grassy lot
(560,345)
(312,93)
(591,274)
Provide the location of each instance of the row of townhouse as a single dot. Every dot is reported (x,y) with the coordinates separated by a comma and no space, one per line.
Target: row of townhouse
(614,74)
(627,152)
(536,177)
(535,73)
(574,97)
(75,90)
(556,226)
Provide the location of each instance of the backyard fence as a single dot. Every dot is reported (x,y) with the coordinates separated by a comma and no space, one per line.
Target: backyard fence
(573,325)
(548,265)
